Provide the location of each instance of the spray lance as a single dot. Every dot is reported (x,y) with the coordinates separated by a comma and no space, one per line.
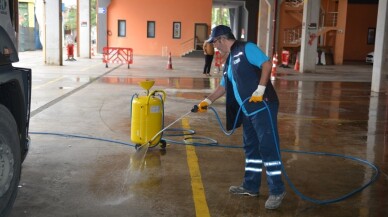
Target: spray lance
(195,109)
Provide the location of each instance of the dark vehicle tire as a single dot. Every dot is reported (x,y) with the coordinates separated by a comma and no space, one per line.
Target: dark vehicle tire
(10,161)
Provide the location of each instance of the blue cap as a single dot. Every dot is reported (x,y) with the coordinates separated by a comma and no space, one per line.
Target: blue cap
(218,31)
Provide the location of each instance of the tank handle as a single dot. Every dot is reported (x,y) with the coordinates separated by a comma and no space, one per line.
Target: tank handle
(156,91)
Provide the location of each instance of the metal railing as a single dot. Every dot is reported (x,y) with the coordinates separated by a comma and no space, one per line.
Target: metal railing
(293,35)
(187,46)
(330,19)
(182,49)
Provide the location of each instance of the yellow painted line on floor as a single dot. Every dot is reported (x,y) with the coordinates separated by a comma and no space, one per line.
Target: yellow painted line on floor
(47,83)
(201,208)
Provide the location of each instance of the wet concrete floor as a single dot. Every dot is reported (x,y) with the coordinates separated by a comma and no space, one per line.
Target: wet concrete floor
(99,173)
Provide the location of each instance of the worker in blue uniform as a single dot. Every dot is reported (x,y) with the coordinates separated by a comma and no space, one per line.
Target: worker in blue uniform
(247,73)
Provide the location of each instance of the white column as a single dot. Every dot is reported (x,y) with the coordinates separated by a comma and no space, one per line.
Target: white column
(39,14)
(53,33)
(309,42)
(263,28)
(380,59)
(83,41)
(102,24)
(266,26)
(261,25)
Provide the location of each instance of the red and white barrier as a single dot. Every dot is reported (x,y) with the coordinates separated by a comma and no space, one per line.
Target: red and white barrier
(169,63)
(218,60)
(117,55)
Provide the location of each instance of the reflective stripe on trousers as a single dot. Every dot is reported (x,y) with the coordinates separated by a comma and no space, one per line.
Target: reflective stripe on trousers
(260,148)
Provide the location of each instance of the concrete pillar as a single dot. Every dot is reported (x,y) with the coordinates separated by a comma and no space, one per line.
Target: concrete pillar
(310,24)
(235,21)
(53,33)
(102,24)
(262,27)
(276,5)
(252,6)
(380,59)
(265,26)
(83,33)
(39,14)
(340,36)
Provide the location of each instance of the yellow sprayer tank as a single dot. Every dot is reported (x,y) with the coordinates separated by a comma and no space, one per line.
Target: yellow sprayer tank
(147,116)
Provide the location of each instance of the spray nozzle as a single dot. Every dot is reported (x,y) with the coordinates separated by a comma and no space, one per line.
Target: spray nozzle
(196,108)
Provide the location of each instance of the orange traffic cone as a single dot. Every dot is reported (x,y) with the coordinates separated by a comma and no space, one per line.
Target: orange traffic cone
(296,66)
(274,65)
(169,63)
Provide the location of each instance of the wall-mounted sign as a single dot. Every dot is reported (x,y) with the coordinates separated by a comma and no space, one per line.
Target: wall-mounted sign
(312,26)
(84,24)
(102,10)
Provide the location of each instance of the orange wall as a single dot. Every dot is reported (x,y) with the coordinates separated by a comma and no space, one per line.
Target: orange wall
(360,18)
(164,13)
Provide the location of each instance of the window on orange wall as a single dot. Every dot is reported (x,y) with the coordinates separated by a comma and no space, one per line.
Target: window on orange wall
(122,28)
(150,29)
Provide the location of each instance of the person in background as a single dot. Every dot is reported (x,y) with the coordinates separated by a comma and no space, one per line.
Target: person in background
(208,50)
(246,76)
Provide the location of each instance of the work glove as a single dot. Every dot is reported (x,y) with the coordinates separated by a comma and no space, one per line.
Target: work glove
(202,106)
(257,95)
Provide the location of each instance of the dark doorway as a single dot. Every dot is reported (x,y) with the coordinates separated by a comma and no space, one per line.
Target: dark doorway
(201,34)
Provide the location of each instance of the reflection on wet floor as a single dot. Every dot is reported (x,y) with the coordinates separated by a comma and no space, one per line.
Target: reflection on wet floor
(169,82)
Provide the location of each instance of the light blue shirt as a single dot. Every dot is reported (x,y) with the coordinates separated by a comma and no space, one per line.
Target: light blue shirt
(255,57)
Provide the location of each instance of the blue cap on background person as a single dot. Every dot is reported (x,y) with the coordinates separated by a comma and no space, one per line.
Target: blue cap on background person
(218,31)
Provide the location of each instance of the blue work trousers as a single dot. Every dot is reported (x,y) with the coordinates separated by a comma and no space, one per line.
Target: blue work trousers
(260,149)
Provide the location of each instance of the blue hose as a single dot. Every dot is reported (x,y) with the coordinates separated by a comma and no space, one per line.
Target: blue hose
(321,202)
